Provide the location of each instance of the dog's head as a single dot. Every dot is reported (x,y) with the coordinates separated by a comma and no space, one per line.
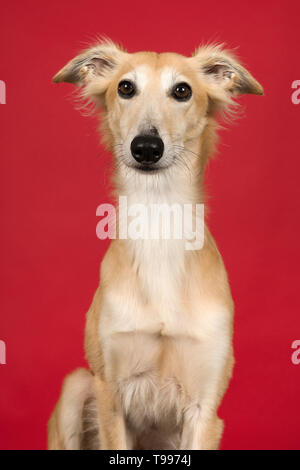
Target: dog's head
(158,107)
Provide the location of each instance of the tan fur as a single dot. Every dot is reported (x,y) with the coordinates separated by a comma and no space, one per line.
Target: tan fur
(159,330)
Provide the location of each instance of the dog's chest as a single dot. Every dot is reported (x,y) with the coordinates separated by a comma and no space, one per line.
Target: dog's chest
(156,352)
(157,356)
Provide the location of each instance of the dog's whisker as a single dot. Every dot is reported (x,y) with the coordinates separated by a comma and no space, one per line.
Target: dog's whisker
(185,149)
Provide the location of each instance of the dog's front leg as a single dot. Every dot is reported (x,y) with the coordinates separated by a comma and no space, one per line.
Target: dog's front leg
(112,427)
(202,429)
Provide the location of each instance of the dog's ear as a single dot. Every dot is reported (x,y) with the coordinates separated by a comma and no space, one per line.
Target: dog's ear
(223,74)
(97,61)
(93,69)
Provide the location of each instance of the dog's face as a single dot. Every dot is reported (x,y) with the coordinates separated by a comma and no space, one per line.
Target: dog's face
(157,105)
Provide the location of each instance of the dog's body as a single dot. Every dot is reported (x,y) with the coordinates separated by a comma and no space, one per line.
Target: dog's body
(159,330)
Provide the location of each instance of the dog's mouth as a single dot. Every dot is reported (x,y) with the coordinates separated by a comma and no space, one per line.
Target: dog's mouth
(147,168)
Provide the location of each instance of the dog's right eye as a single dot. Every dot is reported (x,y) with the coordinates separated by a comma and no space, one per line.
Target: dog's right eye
(126,89)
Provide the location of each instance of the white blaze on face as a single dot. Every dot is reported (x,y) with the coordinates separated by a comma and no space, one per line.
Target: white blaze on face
(168,78)
(140,76)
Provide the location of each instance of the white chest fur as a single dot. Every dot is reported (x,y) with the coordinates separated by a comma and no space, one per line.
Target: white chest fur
(162,355)
(161,351)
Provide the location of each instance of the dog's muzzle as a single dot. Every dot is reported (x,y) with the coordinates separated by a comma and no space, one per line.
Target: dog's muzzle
(147,150)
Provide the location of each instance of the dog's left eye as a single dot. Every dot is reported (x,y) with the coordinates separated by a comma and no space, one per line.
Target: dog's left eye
(126,89)
(182,92)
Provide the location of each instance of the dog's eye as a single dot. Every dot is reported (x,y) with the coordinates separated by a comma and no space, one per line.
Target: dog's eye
(182,92)
(126,89)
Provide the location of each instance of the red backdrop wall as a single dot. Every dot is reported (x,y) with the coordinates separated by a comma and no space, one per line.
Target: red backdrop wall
(54,175)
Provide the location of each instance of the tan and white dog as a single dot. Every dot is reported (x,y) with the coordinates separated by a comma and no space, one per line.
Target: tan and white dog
(159,330)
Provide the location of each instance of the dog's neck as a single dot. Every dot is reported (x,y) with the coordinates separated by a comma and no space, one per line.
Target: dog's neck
(160,264)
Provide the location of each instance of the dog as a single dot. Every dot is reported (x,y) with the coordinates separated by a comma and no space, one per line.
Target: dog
(159,331)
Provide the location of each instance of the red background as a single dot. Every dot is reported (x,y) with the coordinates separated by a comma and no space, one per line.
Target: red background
(54,175)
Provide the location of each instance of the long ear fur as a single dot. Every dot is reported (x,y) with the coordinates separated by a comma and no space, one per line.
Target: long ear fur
(223,75)
(93,69)
(93,62)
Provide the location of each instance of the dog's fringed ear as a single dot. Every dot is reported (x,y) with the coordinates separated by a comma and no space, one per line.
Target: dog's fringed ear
(223,74)
(98,61)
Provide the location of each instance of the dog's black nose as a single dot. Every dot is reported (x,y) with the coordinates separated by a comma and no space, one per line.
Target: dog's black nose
(147,149)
